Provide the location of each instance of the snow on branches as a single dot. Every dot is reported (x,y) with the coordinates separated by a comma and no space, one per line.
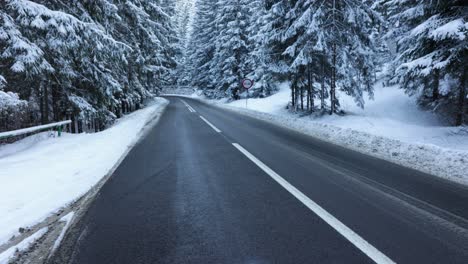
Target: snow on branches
(104,52)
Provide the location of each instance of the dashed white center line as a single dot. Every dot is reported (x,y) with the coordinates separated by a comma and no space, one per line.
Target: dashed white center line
(211,125)
(372,252)
(188,106)
(191,108)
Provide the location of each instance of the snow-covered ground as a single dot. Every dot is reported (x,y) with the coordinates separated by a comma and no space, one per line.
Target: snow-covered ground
(391,127)
(23,245)
(391,114)
(41,174)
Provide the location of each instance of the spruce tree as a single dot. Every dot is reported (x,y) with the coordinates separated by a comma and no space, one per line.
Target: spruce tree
(202,46)
(430,56)
(229,65)
(95,58)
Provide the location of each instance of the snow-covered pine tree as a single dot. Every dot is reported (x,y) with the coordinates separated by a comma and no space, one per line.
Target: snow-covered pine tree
(324,41)
(257,60)
(17,55)
(229,65)
(20,60)
(144,61)
(346,28)
(273,41)
(54,32)
(308,63)
(167,33)
(183,20)
(431,52)
(14,112)
(202,46)
(95,57)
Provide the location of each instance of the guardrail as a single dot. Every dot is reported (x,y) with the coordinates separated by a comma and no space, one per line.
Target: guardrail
(36,129)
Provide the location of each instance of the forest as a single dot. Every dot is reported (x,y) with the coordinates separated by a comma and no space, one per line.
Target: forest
(98,59)
(91,59)
(321,46)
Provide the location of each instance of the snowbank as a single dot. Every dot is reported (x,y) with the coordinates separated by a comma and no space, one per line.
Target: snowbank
(39,175)
(391,127)
(22,246)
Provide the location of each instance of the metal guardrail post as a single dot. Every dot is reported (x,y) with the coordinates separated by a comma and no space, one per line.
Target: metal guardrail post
(59,131)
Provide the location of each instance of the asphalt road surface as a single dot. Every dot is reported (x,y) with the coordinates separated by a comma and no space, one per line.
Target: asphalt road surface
(211,186)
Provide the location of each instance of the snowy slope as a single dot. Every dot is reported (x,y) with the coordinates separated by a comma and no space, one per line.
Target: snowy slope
(41,174)
(391,114)
(395,115)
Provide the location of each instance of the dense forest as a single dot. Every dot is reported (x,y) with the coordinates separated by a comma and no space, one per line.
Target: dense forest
(322,46)
(89,59)
(97,59)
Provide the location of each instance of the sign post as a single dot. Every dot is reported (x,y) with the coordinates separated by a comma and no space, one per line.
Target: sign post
(247,84)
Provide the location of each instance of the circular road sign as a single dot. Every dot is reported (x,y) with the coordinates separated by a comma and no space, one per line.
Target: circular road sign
(247,83)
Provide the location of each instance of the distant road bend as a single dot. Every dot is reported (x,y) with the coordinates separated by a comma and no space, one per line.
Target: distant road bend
(208,185)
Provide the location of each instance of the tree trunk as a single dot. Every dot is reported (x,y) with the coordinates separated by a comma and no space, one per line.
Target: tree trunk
(308,87)
(333,81)
(435,87)
(461,100)
(45,103)
(333,77)
(302,97)
(311,99)
(55,103)
(73,125)
(322,91)
(310,90)
(292,94)
(41,102)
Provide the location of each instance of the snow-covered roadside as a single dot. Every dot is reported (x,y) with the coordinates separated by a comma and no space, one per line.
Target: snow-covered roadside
(39,175)
(23,245)
(391,128)
(67,219)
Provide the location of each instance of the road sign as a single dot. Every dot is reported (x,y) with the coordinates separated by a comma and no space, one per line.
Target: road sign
(247,83)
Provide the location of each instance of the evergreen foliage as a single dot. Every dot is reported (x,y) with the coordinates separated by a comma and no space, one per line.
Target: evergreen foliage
(430,55)
(86,58)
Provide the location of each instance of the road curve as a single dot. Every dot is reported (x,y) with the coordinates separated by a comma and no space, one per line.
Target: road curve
(208,185)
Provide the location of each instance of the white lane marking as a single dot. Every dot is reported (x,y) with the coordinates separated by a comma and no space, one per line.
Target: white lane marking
(211,125)
(188,106)
(372,252)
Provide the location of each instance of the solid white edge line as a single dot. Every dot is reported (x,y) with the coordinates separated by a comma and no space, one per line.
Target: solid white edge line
(211,125)
(372,252)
